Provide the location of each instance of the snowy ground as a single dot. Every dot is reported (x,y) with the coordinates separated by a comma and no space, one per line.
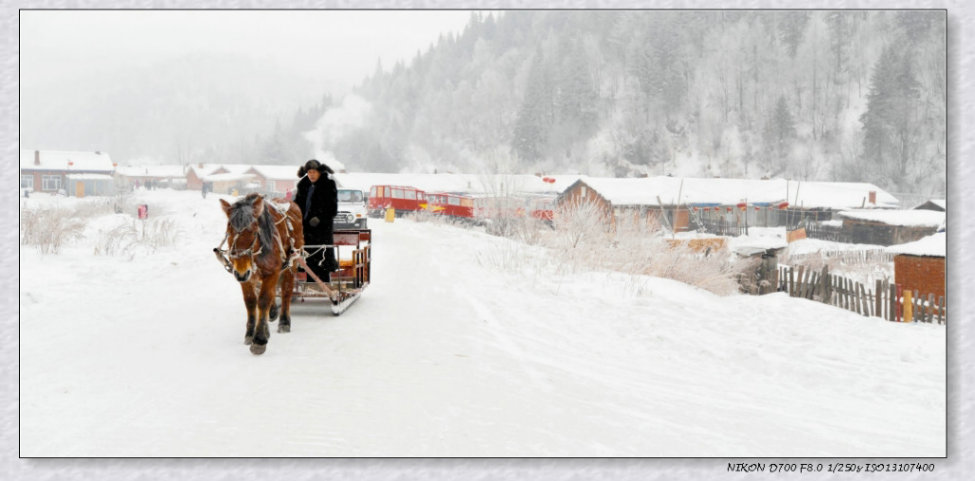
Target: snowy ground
(464,345)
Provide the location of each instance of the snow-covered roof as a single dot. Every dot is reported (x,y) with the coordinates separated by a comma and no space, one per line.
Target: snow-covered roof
(66,160)
(240,168)
(227,177)
(276,172)
(170,171)
(486,184)
(837,195)
(698,191)
(89,177)
(931,246)
(942,203)
(900,217)
(202,170)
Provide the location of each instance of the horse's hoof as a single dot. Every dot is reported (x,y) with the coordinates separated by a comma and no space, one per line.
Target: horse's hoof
(258,349)
(284,328)
(248,340)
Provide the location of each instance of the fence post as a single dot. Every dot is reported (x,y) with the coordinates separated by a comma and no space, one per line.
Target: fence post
(929,309)
(895,303)
(877,302)
(826,286)
(943,318)
(865,299)
(792,283)
(908,305)
(799,281)
(887,305)
(918,310)
(846,294)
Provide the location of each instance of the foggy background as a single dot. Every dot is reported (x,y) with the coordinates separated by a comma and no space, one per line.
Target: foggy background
(199,86)
(847,95)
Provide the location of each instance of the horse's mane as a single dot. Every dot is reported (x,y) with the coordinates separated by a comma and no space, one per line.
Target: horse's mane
(242,214)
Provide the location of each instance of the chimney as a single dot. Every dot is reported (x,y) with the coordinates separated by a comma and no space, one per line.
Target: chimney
(873,197)
(37,157)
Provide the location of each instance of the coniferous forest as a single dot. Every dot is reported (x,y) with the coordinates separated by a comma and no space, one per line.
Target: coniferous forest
(849,95)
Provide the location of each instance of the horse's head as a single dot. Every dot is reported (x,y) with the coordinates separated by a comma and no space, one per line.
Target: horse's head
(244,234)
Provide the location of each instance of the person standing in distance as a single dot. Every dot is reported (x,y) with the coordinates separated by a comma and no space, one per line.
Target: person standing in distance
(317,197)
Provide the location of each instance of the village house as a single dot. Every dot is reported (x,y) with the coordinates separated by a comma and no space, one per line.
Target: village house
(889,227)
(726,206)
(221,178)
(275,180)
(621,198)
(168,176)
(939,205)
(920,265)
(51,171)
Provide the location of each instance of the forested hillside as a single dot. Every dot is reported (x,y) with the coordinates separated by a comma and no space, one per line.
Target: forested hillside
(824,95)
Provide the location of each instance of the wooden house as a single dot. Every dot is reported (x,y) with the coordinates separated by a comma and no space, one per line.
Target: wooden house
(166,176)
(275,180)
(619,199)
(889,227)
(221,178)
(939,205)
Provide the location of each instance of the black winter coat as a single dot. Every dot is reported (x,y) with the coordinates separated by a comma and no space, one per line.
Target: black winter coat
(324,205)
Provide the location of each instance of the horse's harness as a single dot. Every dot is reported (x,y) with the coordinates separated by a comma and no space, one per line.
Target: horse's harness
(255,249)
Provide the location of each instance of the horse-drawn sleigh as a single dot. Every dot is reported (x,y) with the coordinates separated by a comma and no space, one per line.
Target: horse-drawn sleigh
(265,248)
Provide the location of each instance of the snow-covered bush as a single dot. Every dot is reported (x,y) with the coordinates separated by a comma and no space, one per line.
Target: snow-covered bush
(116,241)
(137,235)
(160,232)
(585,235)
(49,229)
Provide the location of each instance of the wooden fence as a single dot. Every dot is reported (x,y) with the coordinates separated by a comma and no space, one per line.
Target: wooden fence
(835,234)
(857,257)
(884,300)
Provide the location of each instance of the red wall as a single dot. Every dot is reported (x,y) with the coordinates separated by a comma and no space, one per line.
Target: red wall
(926,274)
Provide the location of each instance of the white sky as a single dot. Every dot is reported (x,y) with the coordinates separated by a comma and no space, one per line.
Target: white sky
(335,46)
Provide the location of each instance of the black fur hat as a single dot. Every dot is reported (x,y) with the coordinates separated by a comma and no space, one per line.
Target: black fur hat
(314,165)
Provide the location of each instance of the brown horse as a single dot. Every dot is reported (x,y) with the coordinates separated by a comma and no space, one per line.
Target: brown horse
(262,240)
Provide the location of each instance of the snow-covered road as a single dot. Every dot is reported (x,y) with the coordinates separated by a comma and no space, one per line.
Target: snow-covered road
(464,345)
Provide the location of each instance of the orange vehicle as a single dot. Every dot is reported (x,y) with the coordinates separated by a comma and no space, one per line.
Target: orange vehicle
(451,204)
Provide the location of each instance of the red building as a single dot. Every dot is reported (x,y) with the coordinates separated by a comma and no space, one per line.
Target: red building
(920,265)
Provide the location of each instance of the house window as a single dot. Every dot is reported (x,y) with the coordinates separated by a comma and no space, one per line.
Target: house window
(50,182)
(27,182)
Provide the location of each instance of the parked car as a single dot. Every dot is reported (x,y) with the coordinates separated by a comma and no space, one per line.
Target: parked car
(352,210)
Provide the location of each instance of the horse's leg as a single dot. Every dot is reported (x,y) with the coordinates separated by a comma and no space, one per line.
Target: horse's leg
(287,288)
(264,301)
(250,302)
